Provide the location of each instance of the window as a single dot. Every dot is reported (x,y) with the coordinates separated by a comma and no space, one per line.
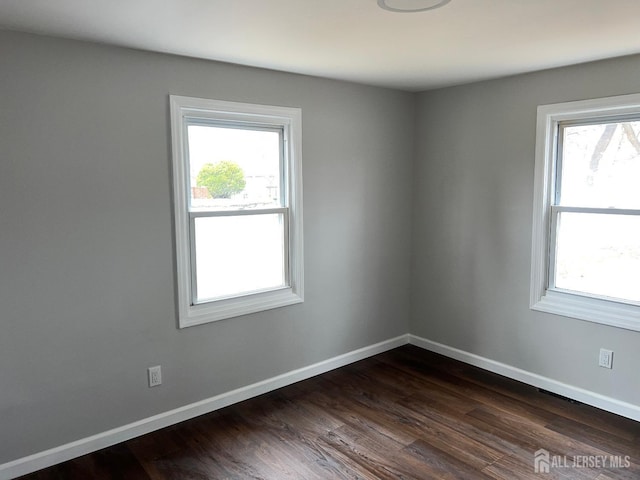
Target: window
(238,208)
(586,232)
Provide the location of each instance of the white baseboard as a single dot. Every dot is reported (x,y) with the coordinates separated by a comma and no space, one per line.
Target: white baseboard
(609,404)
(83,446)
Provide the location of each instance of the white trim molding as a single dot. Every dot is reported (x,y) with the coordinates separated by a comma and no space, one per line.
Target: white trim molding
(603,402)
(544,296)
(106,439)
(186,111)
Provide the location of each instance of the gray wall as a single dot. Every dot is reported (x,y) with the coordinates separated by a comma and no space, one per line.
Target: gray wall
(473,194)
(86,251)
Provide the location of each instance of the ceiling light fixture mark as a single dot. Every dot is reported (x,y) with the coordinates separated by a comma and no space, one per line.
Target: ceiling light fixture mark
(411,6)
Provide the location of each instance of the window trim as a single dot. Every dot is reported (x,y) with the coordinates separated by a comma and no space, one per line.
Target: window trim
(184,108)
(569,304)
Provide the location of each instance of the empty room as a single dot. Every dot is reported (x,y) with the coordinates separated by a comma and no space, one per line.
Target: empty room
(289,239)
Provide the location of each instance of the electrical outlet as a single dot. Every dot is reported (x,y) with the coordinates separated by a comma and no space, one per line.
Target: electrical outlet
(155,376)
(606,358)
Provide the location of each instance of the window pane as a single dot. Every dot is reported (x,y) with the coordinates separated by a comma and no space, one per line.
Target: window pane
(599,254)
(600,165)
(238,254)
(234,168)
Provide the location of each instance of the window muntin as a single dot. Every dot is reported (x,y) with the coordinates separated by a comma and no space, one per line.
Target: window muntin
(586,231)
(238,210)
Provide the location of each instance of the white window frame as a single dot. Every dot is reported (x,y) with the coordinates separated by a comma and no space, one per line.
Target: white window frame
(544,297)
(189,109)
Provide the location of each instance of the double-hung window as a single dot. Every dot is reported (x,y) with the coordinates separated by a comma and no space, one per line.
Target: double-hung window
(238,207)
(586,232)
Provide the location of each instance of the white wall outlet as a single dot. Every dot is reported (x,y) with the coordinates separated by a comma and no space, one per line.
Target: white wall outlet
(155,376)
(606,358)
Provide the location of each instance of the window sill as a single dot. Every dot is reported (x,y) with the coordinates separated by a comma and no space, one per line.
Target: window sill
(237,306)
(594,310)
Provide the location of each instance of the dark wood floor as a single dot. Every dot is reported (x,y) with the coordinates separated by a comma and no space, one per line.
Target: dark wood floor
(406,414)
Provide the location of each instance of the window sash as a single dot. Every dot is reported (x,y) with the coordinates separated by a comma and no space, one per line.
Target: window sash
(558,142)
(236,213)
(556,211)
(238,125)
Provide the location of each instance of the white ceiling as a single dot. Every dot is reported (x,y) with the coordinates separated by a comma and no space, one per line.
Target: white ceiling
(354,40)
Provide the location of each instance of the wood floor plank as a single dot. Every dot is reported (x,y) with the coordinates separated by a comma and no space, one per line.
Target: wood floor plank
(599,419)
(604,421)
(382,459)
(514,468)
(416,423)
(445,413)
(538,436)
(444,463)
(592,436)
